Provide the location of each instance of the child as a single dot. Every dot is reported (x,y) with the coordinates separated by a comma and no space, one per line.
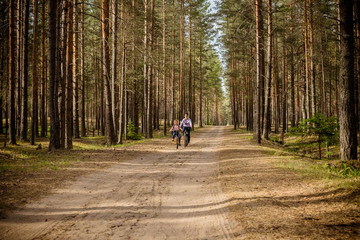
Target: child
(175,130)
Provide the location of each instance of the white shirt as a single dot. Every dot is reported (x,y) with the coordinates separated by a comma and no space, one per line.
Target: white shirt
(186,123)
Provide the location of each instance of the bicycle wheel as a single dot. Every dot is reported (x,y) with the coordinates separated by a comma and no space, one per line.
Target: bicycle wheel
(186,140)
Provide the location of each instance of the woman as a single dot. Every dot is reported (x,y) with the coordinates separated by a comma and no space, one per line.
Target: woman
(186,124)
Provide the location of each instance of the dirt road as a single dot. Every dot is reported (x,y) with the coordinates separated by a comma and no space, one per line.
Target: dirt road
(221,187)
(165,194)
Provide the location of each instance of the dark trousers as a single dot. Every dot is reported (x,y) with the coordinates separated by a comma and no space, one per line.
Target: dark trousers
(188,129)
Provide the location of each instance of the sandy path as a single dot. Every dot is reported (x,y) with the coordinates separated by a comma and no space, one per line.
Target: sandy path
(272,203)
(166,194)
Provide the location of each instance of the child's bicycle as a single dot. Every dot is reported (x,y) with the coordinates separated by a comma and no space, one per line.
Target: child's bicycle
(177,140)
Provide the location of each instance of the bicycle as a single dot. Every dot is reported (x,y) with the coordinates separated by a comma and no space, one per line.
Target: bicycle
(177,140)
(186,138)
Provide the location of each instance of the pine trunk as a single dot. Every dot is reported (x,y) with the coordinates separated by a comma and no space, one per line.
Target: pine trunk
(53,98)
(34,102)
(109,126)
(12,70)
(25,74)
(76,72)
(347,116)
(267,113)
(164,63)
(82,69)
(259,61)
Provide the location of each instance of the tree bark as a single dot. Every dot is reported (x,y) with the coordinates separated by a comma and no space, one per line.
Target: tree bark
(76,72)
(25,74)
(34,103)
(145,98)
(201,83)
(43,117)
(259,61)
(20,45)
(267,113)
(164,64)
(12,70)
(312,67)
(82,69)
(114,59)
(190,64)
(347,117)
(149,113)
(53,98)
(109,126)
(69,78)
(182,61)
(292,73)
(307,77)
(284,85)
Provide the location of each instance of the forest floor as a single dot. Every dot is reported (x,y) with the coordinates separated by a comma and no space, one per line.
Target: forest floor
(223,186)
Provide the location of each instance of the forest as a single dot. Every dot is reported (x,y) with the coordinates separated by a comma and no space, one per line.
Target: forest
(91,92)
(290,61)
(70,69)
(78,68)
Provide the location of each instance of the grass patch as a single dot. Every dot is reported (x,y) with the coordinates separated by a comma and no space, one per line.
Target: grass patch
(333,172)
(27,158)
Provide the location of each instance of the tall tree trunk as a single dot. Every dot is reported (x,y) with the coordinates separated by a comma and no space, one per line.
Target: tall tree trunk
(357,54)
(292,73)
(284,85)
(145,87)
(34,102)
(69,78)
(347,117)
(82,69)
(76,71)
(267,113)
(43,118)
(121,100)
(259,61)
(114,59)
(53,99)
(323,89)
(164,63)
(25,74)
(20,45)
(182,61)
(122,106)
(12,76)
(149,113)
(307,77)
(173,67)
(64,68)
(134,93)
(109,127)
(234,83)
(190,64)
(312,67)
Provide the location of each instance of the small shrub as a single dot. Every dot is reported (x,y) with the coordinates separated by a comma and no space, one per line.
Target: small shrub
(132,134)
(325,128)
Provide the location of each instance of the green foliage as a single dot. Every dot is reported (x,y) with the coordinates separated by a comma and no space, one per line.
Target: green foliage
(344,170)
(132,134)
(325,128)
